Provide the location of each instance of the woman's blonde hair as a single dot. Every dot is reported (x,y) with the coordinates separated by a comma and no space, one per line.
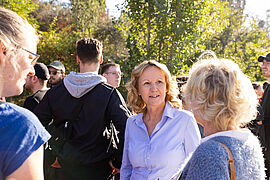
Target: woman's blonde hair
(218,92)
(135,101)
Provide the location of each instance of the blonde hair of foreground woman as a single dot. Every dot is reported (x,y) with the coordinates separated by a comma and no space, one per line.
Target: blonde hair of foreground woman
(218,92)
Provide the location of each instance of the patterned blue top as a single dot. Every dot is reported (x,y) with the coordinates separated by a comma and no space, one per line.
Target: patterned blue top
(210,160)
(162,154)
(21,135)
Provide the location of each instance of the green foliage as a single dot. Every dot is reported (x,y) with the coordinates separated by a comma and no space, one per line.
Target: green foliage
(23,8)
(176,32)
(86,14)
(48,11)
(173,32)
(245,48)
(59,44)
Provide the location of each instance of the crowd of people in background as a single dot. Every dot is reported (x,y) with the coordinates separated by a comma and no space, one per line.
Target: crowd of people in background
(211,124)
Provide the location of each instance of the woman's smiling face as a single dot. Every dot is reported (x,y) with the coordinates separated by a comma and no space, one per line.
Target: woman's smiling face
(152,87)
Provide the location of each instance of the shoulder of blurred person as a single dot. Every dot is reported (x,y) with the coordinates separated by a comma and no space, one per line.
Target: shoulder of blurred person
(18,124)
(32,101)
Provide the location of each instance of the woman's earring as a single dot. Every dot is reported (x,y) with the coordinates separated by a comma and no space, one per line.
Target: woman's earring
(4,49)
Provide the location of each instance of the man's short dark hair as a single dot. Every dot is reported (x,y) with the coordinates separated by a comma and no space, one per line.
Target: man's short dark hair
(105,67)
(89,50)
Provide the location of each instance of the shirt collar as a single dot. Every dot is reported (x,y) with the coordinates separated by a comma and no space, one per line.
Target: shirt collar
(168,112)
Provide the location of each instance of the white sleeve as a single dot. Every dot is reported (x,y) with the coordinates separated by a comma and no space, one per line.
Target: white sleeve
(192,136)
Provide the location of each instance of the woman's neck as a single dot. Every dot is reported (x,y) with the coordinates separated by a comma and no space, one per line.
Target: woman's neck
(154,113)
(151,117)
(209,129)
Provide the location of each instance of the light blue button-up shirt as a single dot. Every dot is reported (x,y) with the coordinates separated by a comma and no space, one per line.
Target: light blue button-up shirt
(162,154)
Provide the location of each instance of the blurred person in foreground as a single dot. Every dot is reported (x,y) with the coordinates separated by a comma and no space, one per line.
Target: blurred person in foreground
(223,100)
(22,136)
(112,72)
(159,136)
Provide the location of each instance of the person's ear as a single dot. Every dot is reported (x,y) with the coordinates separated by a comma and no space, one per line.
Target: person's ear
(3,50)
(78,60)
(34,78)
(101,59)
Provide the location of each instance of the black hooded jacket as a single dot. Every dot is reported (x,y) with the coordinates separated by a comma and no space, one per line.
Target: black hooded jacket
(85,119)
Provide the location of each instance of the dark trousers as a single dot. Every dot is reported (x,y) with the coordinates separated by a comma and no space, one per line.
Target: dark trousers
(49,159)
(96,171)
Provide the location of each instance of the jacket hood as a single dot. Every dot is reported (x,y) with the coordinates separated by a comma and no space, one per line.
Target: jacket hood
(78,84)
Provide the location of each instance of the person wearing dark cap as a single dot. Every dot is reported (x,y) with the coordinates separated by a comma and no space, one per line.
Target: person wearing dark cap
(37,84)
(265,104)
(57,72)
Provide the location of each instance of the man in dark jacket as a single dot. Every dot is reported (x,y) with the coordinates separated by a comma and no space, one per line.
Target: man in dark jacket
(86,118)
(37,84)
(265,104)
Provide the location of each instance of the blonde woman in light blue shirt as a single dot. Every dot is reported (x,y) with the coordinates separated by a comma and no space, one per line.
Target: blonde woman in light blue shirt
(159,136)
